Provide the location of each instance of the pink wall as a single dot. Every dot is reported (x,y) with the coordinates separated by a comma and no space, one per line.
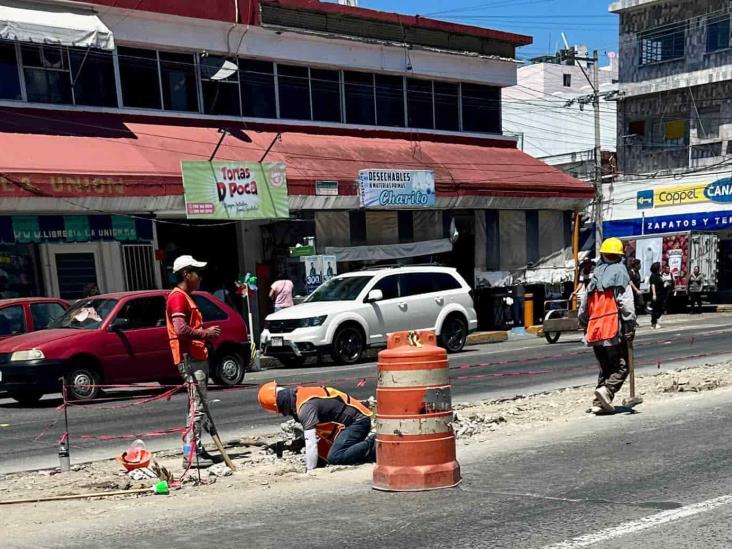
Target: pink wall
(220,10)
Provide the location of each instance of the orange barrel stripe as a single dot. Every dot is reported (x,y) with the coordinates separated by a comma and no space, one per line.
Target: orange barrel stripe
(415,442)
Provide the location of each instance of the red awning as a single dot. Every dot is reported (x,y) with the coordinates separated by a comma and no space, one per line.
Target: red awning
(52,153)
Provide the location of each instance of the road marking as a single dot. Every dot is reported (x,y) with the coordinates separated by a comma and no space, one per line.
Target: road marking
(644,523)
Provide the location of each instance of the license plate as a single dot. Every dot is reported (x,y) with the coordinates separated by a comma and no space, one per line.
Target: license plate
(278,342)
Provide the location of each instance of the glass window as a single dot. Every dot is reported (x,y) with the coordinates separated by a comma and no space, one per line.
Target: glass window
(220,85)
(389,100)
(567,80)
(9,78)
(92,72)
(419,103)
(143,312)
(389,286)
(662,44)
(340,288)
(85,314)
(708,122)
(481,108)
(257,88)
(447,106)
(326,92)
(46,70)
(294,89)
(416,284)
(178,76)
(12,320)
(210,311)
(445,281)
(44,313)
(359,89)
(139,78)
(718,33)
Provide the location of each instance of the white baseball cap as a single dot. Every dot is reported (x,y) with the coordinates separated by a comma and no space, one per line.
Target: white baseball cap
(184,261)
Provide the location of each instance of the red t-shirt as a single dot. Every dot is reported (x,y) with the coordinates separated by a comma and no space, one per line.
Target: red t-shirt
(177,305)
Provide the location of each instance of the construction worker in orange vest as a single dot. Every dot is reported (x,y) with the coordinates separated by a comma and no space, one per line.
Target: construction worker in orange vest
(607,313)
(336,425)
(188,338)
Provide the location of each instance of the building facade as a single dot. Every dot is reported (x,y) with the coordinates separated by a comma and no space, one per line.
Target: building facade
(94,128)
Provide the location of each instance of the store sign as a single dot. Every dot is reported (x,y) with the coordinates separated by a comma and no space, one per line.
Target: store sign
(719,191)
(302,251)
(235,190)
(25,229)
(396,188)
(326,188)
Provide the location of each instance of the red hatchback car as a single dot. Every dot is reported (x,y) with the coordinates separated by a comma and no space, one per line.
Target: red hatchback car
(115,339)
(28,314)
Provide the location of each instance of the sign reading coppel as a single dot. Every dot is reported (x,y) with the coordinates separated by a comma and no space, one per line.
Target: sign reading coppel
(396,188)
(235,190)
(719,191)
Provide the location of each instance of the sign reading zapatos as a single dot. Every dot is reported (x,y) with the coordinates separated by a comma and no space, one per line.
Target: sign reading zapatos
(396,189)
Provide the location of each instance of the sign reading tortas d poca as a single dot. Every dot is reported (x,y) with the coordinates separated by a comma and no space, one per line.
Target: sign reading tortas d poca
(379,188)
(235,190)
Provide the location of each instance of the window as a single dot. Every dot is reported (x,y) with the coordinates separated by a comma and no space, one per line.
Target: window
(12,320)
(257,88)
(637,128)
(340,288)
(140,81)
(178,77)
(357,227)
(444,282)
(44,313)
(294,89)
(85,314)
(419,103)
(668,132)
(718,33)
(416,284)
(481,108)
(389,100)
(46,70)
(567,80)
(220,86)
(325,88)
(209,310)
(447,106)
(405,224)
(389,286)
(9,78)
(359,89)
(142,313)
(662,44)
(92,74)
(707,125)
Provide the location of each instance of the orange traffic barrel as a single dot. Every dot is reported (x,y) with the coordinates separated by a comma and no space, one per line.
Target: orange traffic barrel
(415,442)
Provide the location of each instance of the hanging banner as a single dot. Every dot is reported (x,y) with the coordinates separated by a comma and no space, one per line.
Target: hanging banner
(397,189)
(319,269)
(235,190)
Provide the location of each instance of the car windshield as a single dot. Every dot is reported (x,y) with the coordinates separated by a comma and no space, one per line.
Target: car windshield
(345,288)
(85,314)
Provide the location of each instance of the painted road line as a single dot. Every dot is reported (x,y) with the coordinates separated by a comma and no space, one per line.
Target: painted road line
(644,523)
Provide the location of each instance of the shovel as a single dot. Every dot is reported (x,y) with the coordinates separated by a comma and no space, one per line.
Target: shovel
(633,400)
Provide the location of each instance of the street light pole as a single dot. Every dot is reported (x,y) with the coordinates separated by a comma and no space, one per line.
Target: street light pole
(598,152)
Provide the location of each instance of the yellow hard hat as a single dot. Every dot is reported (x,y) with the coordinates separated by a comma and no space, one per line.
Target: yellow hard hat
(613,246)
(267,396)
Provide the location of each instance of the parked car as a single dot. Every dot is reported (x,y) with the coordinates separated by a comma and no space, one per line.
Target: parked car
(115,338)
(354,311)
(28,314)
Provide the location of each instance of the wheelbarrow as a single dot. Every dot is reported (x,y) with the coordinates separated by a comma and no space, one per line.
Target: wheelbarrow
(558,318)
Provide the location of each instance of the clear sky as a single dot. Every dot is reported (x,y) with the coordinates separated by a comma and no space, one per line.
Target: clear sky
(582,21)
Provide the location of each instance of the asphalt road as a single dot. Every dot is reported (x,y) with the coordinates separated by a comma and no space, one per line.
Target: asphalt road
(28,436)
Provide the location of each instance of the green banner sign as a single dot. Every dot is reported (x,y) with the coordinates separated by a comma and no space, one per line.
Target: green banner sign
(235,190)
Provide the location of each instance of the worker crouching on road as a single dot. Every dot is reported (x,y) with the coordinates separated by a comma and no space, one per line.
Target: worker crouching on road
(607,313)
(336,425)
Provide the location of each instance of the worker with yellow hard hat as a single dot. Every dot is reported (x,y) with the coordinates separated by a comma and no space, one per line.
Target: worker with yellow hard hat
(607,313)
(337,426)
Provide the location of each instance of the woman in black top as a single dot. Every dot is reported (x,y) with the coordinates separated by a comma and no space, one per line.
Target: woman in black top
(658,294)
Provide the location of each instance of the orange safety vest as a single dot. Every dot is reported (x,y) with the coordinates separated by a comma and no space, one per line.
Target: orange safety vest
(197,349)
(603,316)
(328,432)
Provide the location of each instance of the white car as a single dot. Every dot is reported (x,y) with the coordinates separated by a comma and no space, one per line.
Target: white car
(357,310)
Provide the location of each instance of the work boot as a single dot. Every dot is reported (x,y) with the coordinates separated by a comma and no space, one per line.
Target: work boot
(604,399)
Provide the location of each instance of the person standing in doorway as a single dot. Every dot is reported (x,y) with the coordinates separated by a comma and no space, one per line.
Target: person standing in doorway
(696,283)
(658,294)
(281,292)
(188,338)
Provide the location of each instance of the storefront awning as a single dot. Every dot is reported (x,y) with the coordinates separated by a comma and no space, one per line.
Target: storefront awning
(391,251)
(61,25)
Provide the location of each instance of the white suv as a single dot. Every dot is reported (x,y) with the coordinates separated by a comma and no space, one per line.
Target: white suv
(357,310)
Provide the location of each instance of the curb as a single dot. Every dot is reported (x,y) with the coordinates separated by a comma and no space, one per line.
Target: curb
(482,338)
(537,330)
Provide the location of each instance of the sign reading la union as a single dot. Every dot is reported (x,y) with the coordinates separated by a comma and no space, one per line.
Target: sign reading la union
(396,188)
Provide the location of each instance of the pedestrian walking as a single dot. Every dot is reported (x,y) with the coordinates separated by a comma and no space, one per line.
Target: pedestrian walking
(188,339)
(696,283)
(281,292)
(607,313)
(668,286)
(658,294)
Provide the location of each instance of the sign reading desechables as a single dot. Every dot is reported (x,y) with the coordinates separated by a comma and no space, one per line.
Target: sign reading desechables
(234,190)
(384,188)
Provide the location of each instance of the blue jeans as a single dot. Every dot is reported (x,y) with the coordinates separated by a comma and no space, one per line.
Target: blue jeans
(354,446)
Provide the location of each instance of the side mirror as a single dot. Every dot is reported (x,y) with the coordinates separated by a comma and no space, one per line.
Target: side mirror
(119,324)
(375,295)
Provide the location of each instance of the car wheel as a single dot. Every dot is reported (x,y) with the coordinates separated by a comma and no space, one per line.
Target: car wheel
(552,337)
(454,334)
(348,345)
(26,398)
(293,361)
(230,369)
(82,383)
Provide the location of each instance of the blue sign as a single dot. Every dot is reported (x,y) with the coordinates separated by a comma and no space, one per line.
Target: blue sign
(698,221)
(397,189)
(720,190)
(644,199)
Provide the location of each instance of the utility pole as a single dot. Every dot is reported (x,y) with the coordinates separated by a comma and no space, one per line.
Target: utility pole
(598,152)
